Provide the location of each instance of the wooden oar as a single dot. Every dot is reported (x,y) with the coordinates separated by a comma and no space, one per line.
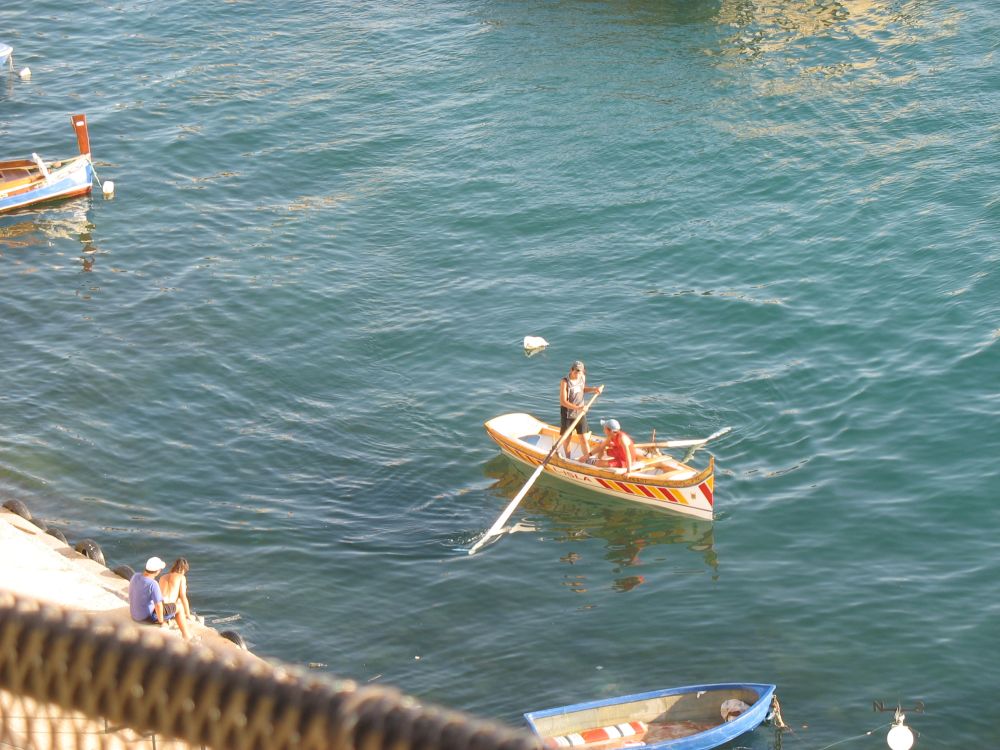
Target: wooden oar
(494,530)
(685,443)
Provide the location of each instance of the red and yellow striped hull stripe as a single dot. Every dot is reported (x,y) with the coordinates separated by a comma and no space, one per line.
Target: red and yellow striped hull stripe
(654,492)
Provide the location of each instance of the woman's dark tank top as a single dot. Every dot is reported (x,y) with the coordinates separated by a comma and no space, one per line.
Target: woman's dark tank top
(574,394)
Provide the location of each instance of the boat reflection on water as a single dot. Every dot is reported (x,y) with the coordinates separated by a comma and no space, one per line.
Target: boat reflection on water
(37,227)
(575,515)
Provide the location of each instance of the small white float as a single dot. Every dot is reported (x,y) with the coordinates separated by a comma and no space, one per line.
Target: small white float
(534,344)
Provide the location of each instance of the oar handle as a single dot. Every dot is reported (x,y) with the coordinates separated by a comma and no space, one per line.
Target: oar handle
(498,524)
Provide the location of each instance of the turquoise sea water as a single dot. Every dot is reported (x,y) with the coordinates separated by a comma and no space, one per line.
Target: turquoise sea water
(273,351)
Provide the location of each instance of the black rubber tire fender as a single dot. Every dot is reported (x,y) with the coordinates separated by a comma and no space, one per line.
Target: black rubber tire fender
(232,635)
(53,531)
(19,508)
(90,548)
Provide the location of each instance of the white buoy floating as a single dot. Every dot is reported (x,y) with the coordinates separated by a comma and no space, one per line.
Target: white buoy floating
(108,188)
(25,74)
(900,736)
(533,344)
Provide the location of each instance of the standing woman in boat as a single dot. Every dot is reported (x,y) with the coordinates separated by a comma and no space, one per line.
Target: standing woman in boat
(571,391)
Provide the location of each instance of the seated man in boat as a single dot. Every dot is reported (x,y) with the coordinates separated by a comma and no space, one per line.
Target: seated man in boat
(617,450)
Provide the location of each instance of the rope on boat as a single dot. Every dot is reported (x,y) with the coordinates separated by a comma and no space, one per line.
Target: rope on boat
(107,188)
(779,724)
(869,733)
(94,168)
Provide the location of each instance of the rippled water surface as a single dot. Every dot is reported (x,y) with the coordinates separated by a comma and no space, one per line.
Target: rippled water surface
(273,351)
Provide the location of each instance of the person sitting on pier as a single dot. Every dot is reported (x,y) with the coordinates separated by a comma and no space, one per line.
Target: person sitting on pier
(173,585)
(145,600)
(617,450)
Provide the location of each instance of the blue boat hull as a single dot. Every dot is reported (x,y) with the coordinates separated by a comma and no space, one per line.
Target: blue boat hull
(701,701)
(65,183)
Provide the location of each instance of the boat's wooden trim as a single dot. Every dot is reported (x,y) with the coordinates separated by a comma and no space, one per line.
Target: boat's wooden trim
(82,134)
(17,164)
(10,187)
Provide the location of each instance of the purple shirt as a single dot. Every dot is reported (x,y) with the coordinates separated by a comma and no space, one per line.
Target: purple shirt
(143,593)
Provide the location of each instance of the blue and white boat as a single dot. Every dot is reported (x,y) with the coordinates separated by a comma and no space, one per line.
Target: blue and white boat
(696,717)
(25,182)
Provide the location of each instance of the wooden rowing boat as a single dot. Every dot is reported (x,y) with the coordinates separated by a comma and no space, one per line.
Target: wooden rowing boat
(25,182)
(696,717)
(661,481)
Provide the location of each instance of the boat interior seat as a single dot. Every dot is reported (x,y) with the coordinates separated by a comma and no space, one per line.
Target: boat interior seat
(10,179)
(548,436)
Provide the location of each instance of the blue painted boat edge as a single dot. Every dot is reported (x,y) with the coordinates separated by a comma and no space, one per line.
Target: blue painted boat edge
(75,182)
(702,740)
(760,687)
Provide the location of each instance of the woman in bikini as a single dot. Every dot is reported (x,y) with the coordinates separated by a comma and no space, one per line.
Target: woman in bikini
(173,585)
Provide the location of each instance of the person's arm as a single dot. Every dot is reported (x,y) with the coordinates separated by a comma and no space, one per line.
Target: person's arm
(158,603)
(598,449)
(593,388)
(182,595)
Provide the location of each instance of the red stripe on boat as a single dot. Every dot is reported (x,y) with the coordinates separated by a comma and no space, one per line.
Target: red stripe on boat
(706,491)
(646,491)
(630,729)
